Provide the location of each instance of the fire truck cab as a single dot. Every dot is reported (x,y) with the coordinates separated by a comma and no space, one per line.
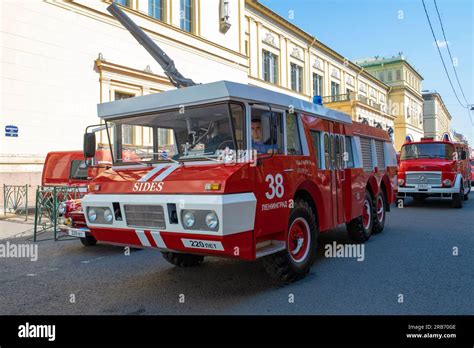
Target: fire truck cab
(437,168)
(247,173)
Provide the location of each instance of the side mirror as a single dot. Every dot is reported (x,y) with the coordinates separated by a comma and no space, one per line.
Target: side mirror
(463,155)
(89,145)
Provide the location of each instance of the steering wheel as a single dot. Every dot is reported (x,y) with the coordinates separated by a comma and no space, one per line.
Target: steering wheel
(224,142)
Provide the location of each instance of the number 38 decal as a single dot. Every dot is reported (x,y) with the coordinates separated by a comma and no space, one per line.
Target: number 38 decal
(275,184)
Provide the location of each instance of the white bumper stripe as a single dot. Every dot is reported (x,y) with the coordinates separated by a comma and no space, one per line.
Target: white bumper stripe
(143,238)
(158,240)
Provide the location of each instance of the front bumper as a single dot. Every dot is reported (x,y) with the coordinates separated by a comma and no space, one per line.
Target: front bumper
(406,191)
(233,238)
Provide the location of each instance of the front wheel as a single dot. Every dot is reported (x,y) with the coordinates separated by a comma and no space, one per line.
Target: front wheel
(88,241)
(295,261)
(360,228)
(458,198)
(183,260)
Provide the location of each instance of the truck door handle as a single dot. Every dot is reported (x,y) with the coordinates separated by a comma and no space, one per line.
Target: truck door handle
(288,170)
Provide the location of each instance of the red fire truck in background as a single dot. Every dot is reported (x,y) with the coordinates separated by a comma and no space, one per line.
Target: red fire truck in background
(68,169)
(435,168)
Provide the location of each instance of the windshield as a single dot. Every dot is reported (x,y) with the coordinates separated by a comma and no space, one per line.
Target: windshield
(180,134)
(428,150)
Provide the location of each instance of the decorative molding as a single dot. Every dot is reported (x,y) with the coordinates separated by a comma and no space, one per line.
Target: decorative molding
(270,39)
(317,64)
(296,53)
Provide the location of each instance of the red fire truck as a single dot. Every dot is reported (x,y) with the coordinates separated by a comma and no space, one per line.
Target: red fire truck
(435,168)
(233,170)
(314,170)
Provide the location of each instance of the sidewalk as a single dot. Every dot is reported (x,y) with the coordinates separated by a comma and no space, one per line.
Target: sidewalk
(20,228)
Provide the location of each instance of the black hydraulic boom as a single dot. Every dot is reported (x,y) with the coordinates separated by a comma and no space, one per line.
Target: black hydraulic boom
(156,52)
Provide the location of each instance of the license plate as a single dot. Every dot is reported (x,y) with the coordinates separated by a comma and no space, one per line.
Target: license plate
(423,186)
(77,233)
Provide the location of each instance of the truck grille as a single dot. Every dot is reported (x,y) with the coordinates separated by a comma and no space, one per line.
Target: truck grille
(424,178)
(151,216)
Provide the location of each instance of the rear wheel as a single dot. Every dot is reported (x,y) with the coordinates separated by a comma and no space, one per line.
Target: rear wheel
(88,241)
(380,209)
(295,261)
(360,228)
(183,260)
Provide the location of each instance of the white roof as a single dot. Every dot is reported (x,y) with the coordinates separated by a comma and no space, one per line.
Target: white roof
(212,92)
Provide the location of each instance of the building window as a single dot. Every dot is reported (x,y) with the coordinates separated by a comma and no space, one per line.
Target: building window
(270,67)
(334,90)
(155,9)
(186,15)
(126,3)
(127,130)
(317,84)
(389,75)
(381,75)
(398,75)
(296,78)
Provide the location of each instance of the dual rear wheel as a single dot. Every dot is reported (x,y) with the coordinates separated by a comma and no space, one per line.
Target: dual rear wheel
(372,219)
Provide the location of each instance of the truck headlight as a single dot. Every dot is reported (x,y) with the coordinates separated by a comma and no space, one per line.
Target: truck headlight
(401,182)
(447,182)
(92,214)
(108,216)
(188,219)
(62,208)
(212,220)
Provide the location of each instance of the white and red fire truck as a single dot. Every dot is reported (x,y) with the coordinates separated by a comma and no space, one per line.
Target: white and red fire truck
(435,168)
(233,170)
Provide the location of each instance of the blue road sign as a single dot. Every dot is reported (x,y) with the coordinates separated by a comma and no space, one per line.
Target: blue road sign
(11,131)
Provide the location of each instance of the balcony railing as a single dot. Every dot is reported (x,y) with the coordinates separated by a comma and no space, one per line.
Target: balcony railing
(353,97)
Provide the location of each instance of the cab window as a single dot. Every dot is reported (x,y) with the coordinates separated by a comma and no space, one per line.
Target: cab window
(262,140)
(293,144)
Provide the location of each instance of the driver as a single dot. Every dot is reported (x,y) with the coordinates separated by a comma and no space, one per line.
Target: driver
(257,141)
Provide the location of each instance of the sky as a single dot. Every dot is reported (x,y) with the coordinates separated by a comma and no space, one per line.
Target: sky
(367,28)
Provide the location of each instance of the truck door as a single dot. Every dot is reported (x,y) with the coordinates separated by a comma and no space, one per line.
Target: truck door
(272,188)
(336,155)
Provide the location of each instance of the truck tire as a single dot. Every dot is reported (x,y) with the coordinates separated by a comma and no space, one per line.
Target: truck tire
(466,196)
(458,198)
(360,228)
(88,241)
(419,198)
(380,210)
(295,261)
(183,260)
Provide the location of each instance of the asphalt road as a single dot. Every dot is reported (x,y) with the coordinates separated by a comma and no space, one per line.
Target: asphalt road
(413,257)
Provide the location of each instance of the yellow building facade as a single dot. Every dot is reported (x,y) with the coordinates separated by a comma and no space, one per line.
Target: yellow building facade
(405,101)
(436,117)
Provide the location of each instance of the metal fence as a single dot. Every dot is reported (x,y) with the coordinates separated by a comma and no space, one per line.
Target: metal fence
(15,200)
(48,199)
